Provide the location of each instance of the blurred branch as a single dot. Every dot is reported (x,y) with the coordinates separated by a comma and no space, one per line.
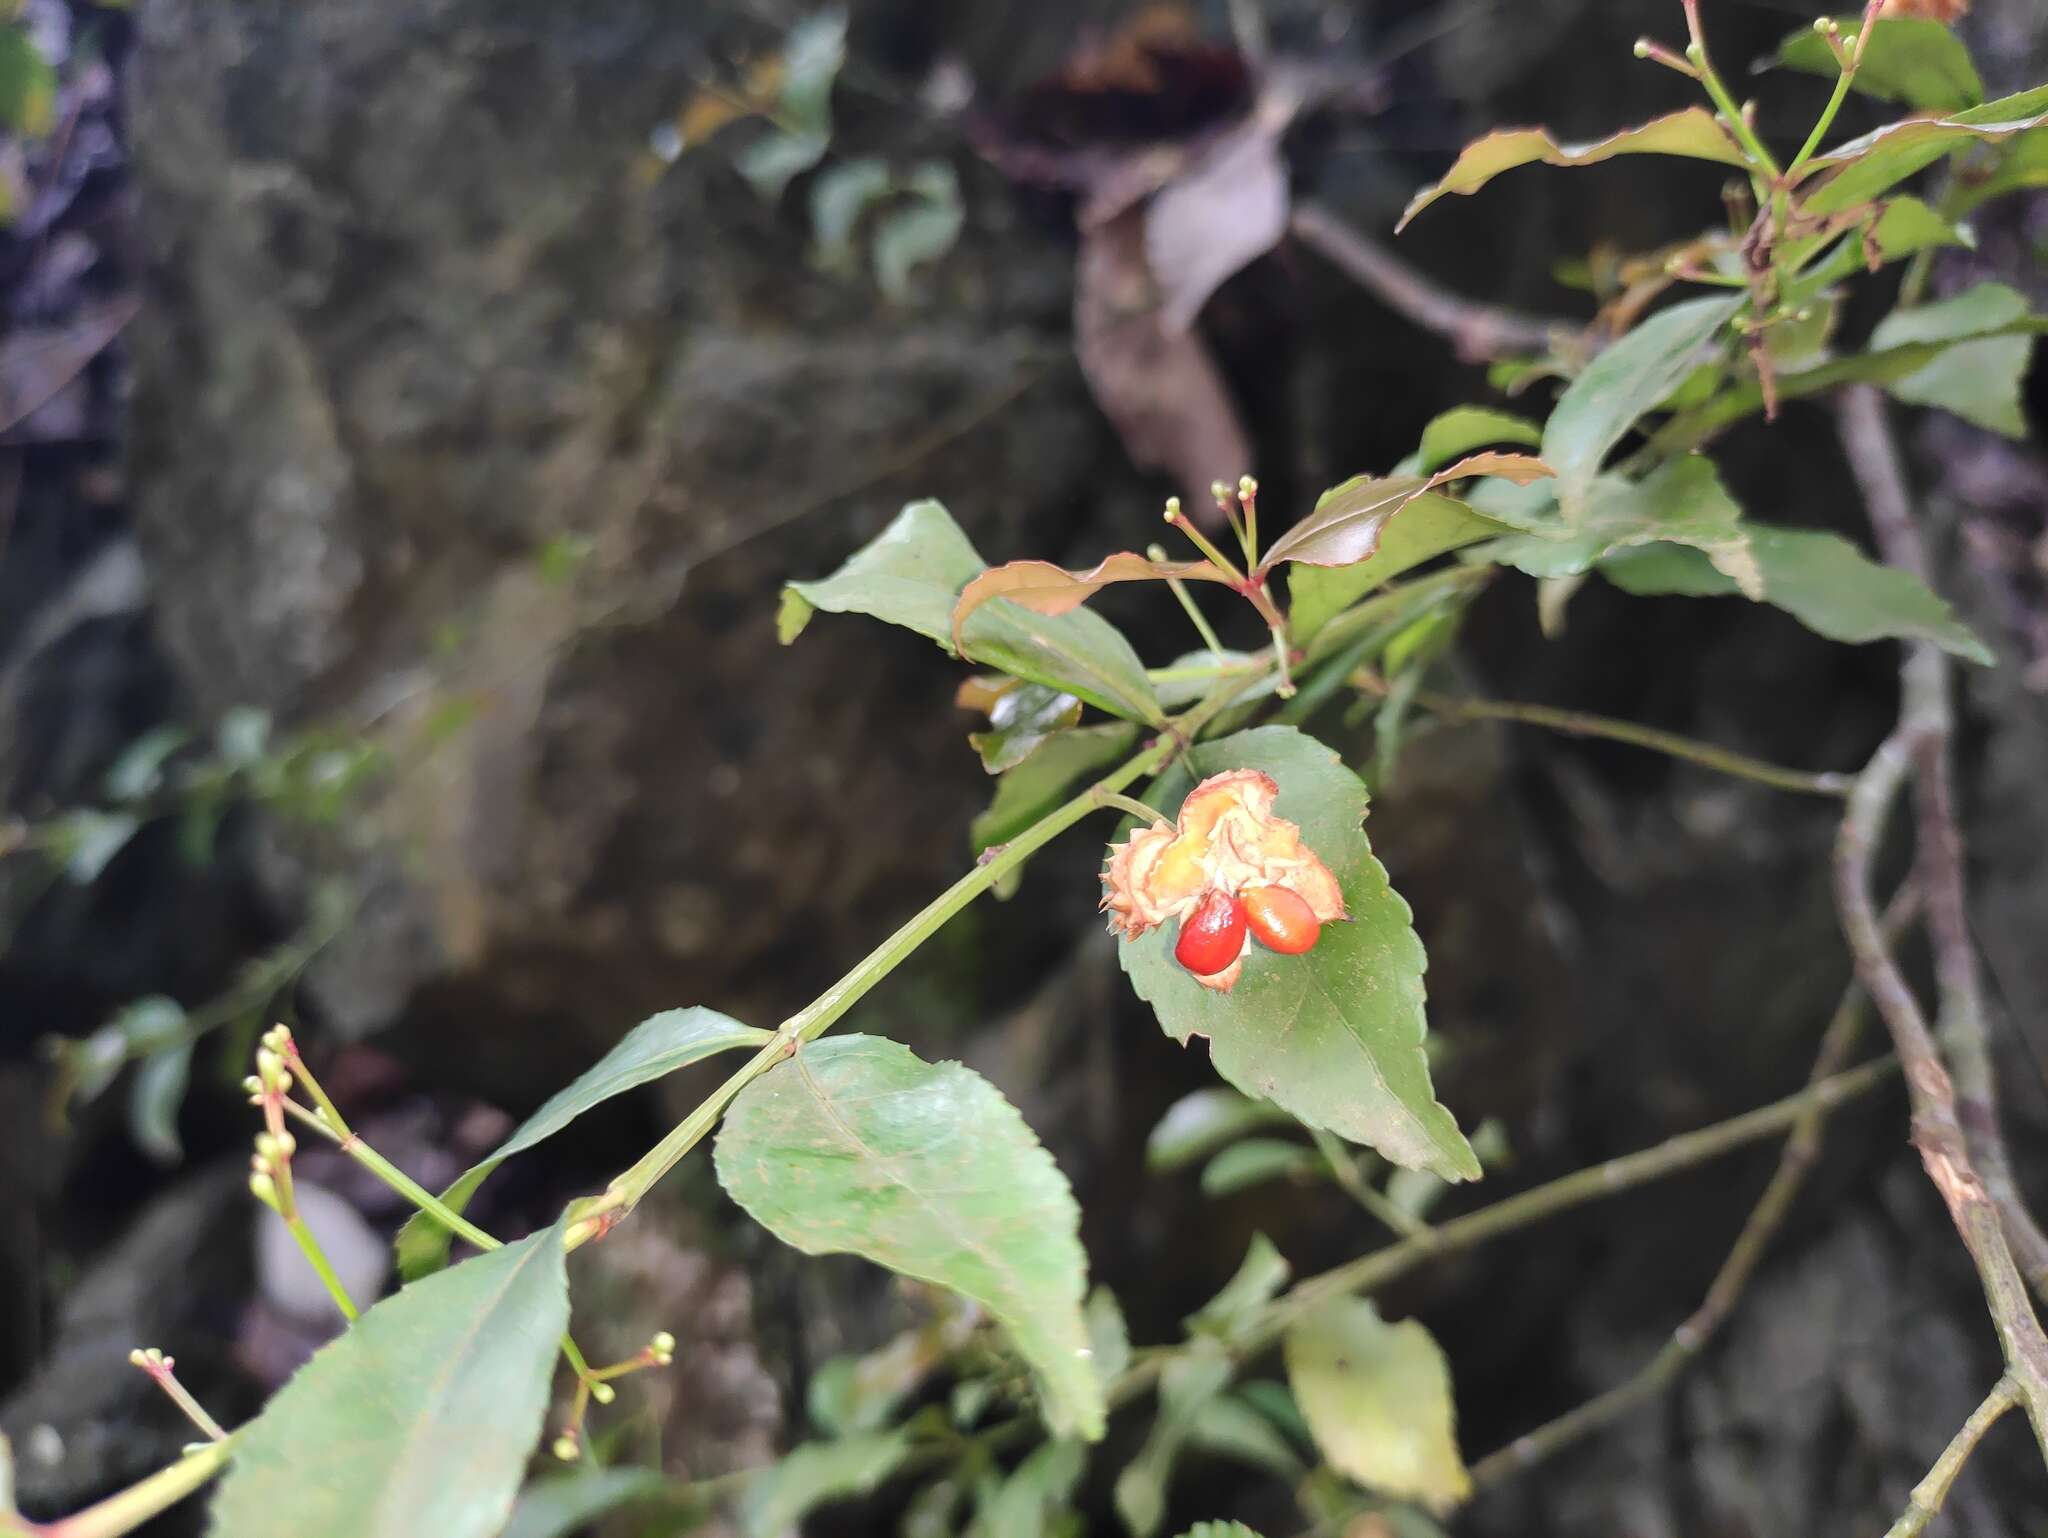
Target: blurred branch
(1480,332)
(1928,1496)
(1925,681)
(1802,1148)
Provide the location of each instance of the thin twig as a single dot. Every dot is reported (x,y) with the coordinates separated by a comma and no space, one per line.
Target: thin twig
(1802,1148)
(1480,332)
(1928,1496)
(1925,681)
(1936,1131)
(1351,1181)
(1578,723)
(1567,1191)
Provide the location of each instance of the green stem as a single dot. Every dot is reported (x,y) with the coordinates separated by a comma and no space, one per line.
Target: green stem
(1344,1170)
(1146,815)
(1187,602)
(596,1216)
(1932,1492)
(125,1512)
(318,1258)
(1827,120)
(1577,723)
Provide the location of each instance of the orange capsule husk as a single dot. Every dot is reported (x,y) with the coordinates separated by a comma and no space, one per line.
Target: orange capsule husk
(1281,920)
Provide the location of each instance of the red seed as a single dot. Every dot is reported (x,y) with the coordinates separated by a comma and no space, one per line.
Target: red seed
(1281,920)
(1211,936)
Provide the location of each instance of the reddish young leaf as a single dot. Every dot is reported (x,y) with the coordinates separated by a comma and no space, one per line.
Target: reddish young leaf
(1048,589)
(1694,133)
(1345,527)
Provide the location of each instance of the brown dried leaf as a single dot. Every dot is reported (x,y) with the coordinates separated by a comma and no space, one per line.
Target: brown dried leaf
(37,362)
(1048,589)
(1207,225)
(1156,382)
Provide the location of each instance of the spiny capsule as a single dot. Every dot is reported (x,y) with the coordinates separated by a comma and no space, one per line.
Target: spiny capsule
(1281,920)
(1211,937)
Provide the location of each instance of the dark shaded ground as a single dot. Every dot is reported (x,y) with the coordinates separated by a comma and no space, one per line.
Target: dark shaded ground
(411,312)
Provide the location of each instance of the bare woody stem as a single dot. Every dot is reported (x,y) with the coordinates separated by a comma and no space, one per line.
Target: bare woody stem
(1480,332)
(1925,681)
(1802,1148)
(1932,1492)
(1936,1131)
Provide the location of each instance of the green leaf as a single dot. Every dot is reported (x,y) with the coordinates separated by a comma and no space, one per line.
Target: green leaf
(1908,59)
(1694,133)
(1034,1494)
(155,1096)
(1034,787)
(1378,1398)
(838,199)
(855,1146)
(1682,501)
(920,232)
(1108,1336)
(1465,429)
(28,85)
(1349,520)
(1256,1282)
(1234,1430)
(1191,1378)
(912,573)
(419,1419)
(1627,380)
(1857,172)
(1020,722)
(559,1506)
(1199,1123)
(1333,1036)
(816,1474)
(1822,580)
(139,771)
(1979,380)
(1428,527)
(87,840)
(656,1047)
(2022,164)
(1254,1162)
(1219,1530)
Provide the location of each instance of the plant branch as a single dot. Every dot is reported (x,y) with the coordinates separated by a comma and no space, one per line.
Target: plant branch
(1577,723)
(128,1510)
(1559,1195)
(1802,1148)
(1925,683)
(1936,1131)
(1351,1181)
(1480,332)
(1929,1495)
(594,1217)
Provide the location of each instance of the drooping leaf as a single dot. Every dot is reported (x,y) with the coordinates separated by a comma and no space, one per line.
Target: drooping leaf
(1822,580)
(1034,787)
(1020,721)
(1908,59)
(1048,589)
(85,841)
(855,1146)
(1682,501)
(419,1419)
(1193,1377)
(911,574)
(1428,527)
(1377,1396)
(1202,1121)
(155,1096)
(139,770)
(1333,1036)
(1465,429)
(656,1047)
(816,1474)
(1979,377)
(1627,380)
(1694,133)
(920,232)
(559,1506)
(1254,1162)
(1256,1282)
(838,199)
(1349,520)
(1865,167)
(1109,1338)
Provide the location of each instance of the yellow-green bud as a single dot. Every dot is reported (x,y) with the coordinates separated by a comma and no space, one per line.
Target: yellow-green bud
(603,1393)
(566,1449)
